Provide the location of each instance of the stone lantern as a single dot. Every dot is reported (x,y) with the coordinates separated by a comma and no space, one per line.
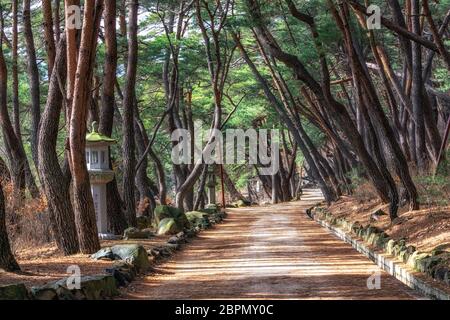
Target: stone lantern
(97,160)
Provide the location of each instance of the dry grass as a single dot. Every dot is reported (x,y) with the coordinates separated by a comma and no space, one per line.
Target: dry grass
(425,228)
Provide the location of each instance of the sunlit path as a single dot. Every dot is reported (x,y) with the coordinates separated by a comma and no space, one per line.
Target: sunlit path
(264,253)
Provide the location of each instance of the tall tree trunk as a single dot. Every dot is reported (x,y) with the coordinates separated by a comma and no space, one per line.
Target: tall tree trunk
(230,186)
(49,34)
(83,202)
(55,185)
(16,157)
(33,75)
(56,20)
(147,202)
(7,260)
(116,215)
(416,90)
(15,74)
(128,147)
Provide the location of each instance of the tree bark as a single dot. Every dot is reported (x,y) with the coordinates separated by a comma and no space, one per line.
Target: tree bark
(128,147)
(33,75)
(83,202)
(49,34)
(7,260)
(116,215)
(55,184)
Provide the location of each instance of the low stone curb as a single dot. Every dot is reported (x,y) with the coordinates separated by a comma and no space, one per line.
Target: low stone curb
(391,267)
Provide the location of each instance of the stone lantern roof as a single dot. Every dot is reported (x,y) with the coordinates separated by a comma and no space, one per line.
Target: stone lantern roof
(95,138)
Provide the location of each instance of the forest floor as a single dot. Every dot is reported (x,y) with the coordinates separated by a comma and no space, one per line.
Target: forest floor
(46,263)
(425,229)
(267,252)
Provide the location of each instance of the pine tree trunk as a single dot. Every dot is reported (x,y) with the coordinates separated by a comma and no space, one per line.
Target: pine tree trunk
(128,147)
(55,184)
(49,34)
(82,198)
(7,260)
(33,75)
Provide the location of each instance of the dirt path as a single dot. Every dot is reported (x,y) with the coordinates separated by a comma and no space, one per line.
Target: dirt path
(273,252)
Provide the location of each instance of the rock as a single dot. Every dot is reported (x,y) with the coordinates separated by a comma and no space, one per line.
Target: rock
(213,206)
(134,233)
(123,272)
(427,264)
(190,233)
(144,222)
(207,211)
(168,226)
(104,254)
(166,212)
(390,246)
(415,260)
(109,236)
(442,273)
(163,251)
(91,288)
(198,218)
(162,212)
(44,293)
(406,253)
(440,249)
(173,240)
(172,247)
(14,292)
(133,254)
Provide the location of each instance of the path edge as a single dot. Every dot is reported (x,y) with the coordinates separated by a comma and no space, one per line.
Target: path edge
(386,264)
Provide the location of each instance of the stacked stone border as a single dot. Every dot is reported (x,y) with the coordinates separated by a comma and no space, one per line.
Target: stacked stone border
(130,261)
(427,263)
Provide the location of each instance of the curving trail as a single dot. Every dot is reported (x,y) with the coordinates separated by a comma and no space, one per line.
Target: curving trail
(273,252)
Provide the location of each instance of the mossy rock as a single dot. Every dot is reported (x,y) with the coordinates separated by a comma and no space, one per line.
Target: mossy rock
(383,239)
(104,254)
(198,218)
(443,248)
(417,260)
(428,264)
(399,247)
(123,272)
(164,212)
(14,292)
(406,253)
(95,287)
(135,233)
(168,226)
(390,246)
(207,211)
(213,206)
(133,254)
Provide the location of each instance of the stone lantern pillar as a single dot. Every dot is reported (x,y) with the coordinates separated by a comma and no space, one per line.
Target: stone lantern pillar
(211,185)
(97,160)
